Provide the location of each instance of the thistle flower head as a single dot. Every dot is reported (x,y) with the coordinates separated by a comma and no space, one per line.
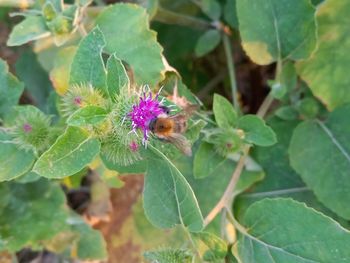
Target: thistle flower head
(142,113)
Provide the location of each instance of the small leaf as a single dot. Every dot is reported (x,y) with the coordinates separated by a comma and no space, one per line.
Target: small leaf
(287,113)
(211,8)
(72,151)
(206,160)
(87,65)
(256,131)
(13,161)
(275,37)
(207,42)
(10,89)
(168,198)
(217,246)
(127,34)
(320,152)
(89,115)
(31,28)
(276,233)
(225,114)
(117,77)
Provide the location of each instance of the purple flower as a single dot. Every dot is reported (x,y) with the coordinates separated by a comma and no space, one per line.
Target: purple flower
(27,127)
(133,146)
(144,112)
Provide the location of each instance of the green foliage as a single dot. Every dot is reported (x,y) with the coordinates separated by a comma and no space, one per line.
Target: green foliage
(87,66)
(13,161)
(31,213)
(68,155)
(207,42)
(166,208)
(319,152)
(127,34)
(217,247)
(328,81)
(274,36)
(113,84)
(168,256)
(277,230)
(10,89)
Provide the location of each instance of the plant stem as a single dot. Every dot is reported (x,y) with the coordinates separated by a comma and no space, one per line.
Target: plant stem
(170,17)
(231,70)
(227,196)
(226,199)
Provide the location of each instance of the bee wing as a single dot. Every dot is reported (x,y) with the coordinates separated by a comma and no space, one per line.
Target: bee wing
(180,119)
(181,143)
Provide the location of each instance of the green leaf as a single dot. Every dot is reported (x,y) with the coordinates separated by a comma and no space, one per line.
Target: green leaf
(275,36)
(117,78)
(256,131)
(169,256)
(287,113)
(225,114)
(87,65)
(91,245)
(230,13)
(217,246)
(68,155)
(280,178)
(136,168)
(31,213)
(320,152)
(31,28)
(89,115)
(326,71)
(211,8)
(10,89)
(35,78)
(207,42)
(206,160)
(276,232)
(127,34)
(28,178)
(168,198)
(60,73)
(13,161)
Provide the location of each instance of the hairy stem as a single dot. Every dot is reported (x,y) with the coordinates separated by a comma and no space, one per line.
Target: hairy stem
(231,70)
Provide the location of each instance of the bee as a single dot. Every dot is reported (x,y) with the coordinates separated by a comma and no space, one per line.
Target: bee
(170,128)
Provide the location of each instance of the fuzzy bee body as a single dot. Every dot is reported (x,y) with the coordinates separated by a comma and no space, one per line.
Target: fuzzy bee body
(170,129)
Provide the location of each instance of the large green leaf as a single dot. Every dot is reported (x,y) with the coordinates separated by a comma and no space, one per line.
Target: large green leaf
(276,29)
(127,34)
(10,89)
(326,71)
(30,213)
(72,151)
(87,65)
(13,161)
(283,230)
(280,180)
(168,198)
(31,28)
(320,153)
